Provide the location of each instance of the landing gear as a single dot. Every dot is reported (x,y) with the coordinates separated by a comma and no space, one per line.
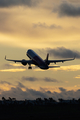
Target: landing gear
(29,67)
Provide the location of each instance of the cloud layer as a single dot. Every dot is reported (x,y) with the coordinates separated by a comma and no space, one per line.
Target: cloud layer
(44,25)
(68,68)
(18,93)
(13,68)
(68,9)
(47,79)
(9,3)
(33,79)
(63,52)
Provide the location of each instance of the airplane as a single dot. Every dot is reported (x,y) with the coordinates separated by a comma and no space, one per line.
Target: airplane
(38,61)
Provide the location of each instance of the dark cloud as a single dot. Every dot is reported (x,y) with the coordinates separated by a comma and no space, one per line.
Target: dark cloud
(20,85)
(33,94)
(74,1)
(63,52)
(37,93)
(9,3)
(31,79)
(44,25)
(19,94)
(5,82)
(62,89)
(50,80)
(68,9)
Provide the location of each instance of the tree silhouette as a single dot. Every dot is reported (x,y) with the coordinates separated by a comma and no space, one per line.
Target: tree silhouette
(3,99)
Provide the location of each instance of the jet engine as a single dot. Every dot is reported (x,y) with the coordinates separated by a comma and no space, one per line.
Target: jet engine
(24,62)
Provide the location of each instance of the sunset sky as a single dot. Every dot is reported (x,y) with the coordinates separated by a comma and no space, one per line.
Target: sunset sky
(45,26)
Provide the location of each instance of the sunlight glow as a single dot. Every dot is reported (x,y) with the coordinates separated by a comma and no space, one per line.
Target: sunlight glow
(12,70)
(68,68)
(78,77)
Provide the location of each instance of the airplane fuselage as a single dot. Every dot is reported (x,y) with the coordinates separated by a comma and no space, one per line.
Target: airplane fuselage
(36,59)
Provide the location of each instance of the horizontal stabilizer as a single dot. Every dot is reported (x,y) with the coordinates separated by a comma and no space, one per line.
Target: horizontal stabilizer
(53,66)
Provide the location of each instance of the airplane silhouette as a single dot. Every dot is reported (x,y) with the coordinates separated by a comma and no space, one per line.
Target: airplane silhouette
(38,61)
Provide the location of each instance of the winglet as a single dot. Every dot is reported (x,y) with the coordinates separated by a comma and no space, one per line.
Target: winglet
(5,57)
(74,56)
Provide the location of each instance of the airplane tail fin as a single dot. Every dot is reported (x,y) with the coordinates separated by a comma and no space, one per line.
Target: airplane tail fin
(46,60)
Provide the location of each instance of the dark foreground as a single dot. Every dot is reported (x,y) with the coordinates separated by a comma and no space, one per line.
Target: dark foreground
(48,112)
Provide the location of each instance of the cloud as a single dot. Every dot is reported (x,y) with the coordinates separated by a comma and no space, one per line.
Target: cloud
(7,65)
(31,79)
(5,82)
(63,68)
(68,9)
(68,68)
(16,91)
(63,52)
(20,85)
(78,77)
(62,89)
(6,86)
(44,25)
(12,67)
(19,94)
(47,79)
(78,1)
(10,3)
(12,70)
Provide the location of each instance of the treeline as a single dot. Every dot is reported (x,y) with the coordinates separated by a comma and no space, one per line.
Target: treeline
(38,101)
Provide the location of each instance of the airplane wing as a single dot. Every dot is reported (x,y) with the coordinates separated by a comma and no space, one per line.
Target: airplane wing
(54,61)
(24,62)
